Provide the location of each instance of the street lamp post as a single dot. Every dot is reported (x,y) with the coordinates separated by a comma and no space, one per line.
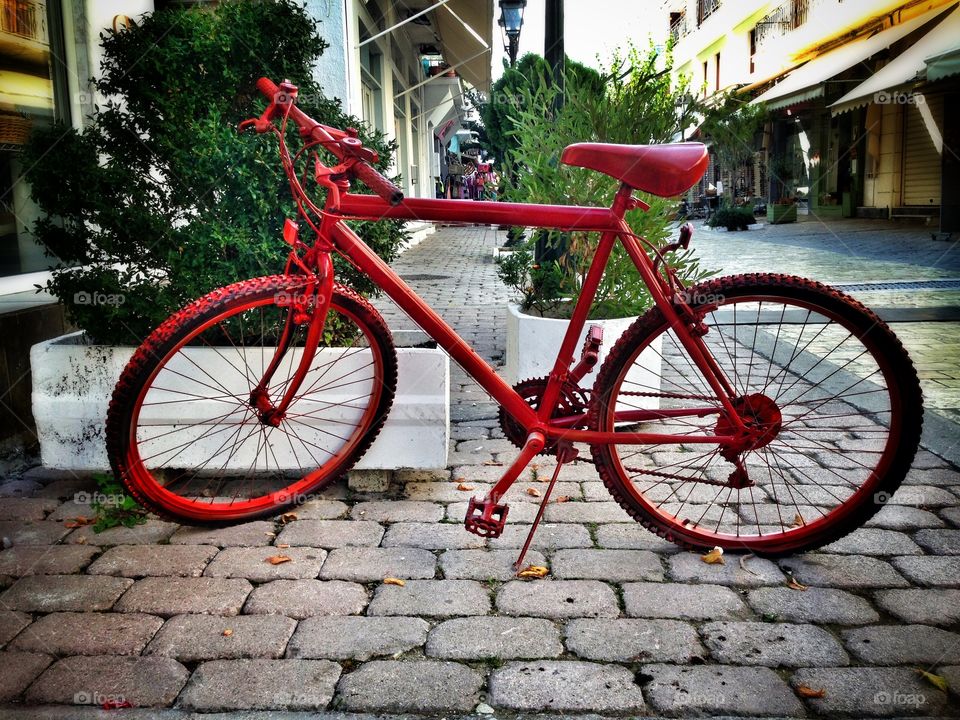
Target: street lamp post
(511,20)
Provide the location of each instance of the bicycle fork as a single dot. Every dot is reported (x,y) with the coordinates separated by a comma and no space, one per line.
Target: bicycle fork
(307,307)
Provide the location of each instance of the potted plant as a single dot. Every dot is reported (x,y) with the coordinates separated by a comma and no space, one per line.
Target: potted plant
(784,208)
(632,103)
(158,201)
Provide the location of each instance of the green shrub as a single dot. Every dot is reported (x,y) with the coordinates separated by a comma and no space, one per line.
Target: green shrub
(159,200)
(732,218)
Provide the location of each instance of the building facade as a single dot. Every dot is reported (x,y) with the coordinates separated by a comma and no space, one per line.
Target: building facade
(858,119)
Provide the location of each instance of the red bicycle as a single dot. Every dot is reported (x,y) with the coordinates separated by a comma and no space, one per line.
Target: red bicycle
(763,412)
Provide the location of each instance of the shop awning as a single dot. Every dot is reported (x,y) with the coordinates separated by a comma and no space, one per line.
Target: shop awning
(943,65)
(25,92)
(466,34)
(908,67)
(807,81)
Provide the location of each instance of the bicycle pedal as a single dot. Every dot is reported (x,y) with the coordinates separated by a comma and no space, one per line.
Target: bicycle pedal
(485,518)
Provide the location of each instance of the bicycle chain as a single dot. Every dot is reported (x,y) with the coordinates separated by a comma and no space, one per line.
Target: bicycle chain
(671,476)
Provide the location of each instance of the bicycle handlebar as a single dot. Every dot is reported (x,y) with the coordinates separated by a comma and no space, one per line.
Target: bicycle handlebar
(332,137)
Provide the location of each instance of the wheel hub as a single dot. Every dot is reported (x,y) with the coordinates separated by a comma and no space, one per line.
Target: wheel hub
(763,421)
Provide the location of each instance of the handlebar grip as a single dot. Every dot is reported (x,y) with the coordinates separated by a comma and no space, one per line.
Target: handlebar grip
(268,87)
(370,177)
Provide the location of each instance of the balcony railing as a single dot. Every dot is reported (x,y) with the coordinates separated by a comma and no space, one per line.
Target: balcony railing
(789,16)
(680,28)
(706,8)
(24,18)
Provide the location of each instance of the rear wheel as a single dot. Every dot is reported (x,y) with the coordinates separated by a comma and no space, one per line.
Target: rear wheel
(829,393)
(183,432)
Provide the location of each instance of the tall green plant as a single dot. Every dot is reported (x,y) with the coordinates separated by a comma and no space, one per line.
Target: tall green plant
(731,125)
(636,104)
(159,200)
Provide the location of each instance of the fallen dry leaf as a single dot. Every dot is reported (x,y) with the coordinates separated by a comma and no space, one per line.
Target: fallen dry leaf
(533,571)
(394,581)
(283,546)
(798,521)
(533,492)
(563,499)
(492,462)
(935,680)
(227,633)
(793,584)
(78,521)
(743,563)
(714,557)
(279,559)
(81,541)
(465,487)
(808,692)
(287,517)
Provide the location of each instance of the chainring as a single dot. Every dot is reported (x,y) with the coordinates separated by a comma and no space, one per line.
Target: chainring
(573,401)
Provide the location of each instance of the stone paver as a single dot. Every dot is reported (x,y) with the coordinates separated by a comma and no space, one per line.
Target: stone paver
(53,593)
(321,510)
(922,606)
(331,533)
(938,542)
(485,564)
(305,598)
(632,536)
(33,532)
(870,692)
(375,564)
(432,598)
(418,686)
(500,638)
(772,644)
(632,640)
(348,637)
(153,560)
(899,644)
(189,638)
(611,565)
(11,623)
(822,606)
(431,536)
(565,685)
(226,685)
(141,681)
(689,567)
(253,563)
(149,533)
(548,537)
(557,599)
(843,571)
(682,602)
(392,511)
(719,690)
(19,670)
(26,508)
(250,534)
(168,596)
(930,571)
(903,517)
(874,541)
(46,559)
(88,633)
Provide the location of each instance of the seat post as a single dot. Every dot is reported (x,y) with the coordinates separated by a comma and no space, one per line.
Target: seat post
(621,201)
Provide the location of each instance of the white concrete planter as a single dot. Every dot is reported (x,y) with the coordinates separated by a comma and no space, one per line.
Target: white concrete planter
(533,343)
(73,382)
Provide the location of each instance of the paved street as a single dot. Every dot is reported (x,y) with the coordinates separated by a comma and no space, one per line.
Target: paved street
(184,620)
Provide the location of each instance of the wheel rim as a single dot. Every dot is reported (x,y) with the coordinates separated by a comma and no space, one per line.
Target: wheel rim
(840,409)
(199,448)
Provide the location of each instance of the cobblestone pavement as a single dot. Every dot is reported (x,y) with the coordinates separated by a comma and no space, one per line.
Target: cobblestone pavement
(181,621)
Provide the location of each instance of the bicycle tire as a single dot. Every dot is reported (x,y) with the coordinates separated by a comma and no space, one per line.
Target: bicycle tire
(174,344)
(843,428)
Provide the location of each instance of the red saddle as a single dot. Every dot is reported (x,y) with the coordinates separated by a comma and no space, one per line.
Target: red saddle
(663,170)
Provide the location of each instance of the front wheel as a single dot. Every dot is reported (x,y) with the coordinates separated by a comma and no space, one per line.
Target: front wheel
(830,395)
(184,433)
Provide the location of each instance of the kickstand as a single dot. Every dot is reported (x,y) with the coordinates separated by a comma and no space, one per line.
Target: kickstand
(566,453)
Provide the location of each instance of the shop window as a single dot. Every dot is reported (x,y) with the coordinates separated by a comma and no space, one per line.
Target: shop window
(371,83)
(32,93)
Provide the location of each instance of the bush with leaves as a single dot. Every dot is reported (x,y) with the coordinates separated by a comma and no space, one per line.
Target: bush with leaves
(635,104)
(732,218)
(159,200)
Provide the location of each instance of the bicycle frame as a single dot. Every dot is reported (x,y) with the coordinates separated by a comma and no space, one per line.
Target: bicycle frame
(608,221)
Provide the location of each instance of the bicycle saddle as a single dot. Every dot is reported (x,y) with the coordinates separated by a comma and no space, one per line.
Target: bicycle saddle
(663,170)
